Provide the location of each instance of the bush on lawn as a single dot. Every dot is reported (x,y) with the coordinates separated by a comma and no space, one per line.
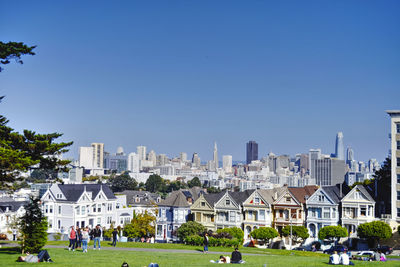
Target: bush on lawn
(235,232)
(190,228)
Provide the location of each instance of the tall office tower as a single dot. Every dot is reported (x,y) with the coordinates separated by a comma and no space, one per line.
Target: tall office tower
(350,155)
(98,155)
(227,163)
(133,162)
(328,171)
(215,158)
(196,160)
(152,157)
(251,151)
(339,148)
(183,156)
(141,151)
(117,162)
(313,155)
(86,157)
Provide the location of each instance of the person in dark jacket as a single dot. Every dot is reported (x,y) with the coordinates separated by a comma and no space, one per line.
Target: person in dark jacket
(236,256)
(114,234)
(205,243)
(96,232)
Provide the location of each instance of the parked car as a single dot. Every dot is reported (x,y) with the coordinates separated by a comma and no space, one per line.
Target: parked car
(338,248)
(385,249)
(369,253)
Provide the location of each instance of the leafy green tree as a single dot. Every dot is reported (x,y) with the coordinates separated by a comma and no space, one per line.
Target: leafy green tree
(299,232)
(190,228)
(155,184)
(33,227)
(264,234)
(175,185)
(142,225)
(374,231)
(14,51)
(122,182)
(235,232)
(194,182)
(332,232)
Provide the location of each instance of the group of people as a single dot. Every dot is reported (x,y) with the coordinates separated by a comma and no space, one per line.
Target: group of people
(342,259)
(79,237)
(236,257)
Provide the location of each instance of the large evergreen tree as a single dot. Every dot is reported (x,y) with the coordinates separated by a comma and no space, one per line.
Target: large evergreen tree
(27,151)
(14,51)
(33,227)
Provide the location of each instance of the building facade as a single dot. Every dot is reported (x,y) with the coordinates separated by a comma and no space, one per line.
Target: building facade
(395,157)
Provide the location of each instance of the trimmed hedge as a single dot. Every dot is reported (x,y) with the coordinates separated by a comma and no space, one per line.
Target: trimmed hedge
(196,240)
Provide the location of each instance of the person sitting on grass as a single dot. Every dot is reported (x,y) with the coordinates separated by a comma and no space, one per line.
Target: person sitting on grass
(334,258)
(43,256)
(344,259)
(236,256)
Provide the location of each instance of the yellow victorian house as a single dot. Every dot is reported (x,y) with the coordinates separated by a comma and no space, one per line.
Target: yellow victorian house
(203,210)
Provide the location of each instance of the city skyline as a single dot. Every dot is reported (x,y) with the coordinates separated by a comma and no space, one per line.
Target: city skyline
(289,76)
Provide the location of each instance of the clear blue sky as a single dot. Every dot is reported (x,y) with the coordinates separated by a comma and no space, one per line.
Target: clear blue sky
(179,75)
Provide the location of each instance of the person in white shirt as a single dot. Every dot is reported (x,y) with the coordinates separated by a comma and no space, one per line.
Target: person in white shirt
(344,259)
(334,258)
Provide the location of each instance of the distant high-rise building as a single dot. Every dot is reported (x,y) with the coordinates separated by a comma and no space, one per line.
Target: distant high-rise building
(196,160)
(313,155)
(152,157)
(98,155)
(339,147)
(328,171)
(215,158)
(251,151)
(86,157)
(227,163)
(133,162)
(120,150)
(183,156)
(350,155)
(141,151)
(161,160)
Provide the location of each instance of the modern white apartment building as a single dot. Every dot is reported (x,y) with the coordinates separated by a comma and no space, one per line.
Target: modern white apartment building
(395,156)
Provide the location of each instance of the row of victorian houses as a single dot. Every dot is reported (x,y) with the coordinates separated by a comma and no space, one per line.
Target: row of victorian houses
(81,205)
(311,206)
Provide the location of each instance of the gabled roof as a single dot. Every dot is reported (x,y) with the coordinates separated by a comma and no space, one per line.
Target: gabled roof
(214,198)
(303,193)
(145,197)
(72,192)
(270,194)
(241,197)
(362,189)
(13,206)
(175,199)
(334,192)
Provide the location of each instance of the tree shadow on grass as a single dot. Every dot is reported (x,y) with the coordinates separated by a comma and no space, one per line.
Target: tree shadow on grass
(10,250)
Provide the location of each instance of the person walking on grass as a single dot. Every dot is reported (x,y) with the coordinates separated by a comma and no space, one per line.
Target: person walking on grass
(85,238)
(72,239)
(205,243)
(97,235)
(78,238)
(114,236)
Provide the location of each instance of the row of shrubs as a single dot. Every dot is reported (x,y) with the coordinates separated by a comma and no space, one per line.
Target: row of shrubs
(196,240)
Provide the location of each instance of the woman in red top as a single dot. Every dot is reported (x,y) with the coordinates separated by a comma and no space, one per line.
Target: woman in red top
(72,239)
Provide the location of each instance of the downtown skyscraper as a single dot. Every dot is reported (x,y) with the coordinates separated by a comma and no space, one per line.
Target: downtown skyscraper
(215,159)
(251,151)
(339,147)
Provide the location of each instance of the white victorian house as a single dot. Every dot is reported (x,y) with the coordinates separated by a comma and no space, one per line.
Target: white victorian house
(323,209)
(81,205)
(358,207)
(10,211)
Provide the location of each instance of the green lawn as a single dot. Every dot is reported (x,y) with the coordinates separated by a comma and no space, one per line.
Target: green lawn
(96,258)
